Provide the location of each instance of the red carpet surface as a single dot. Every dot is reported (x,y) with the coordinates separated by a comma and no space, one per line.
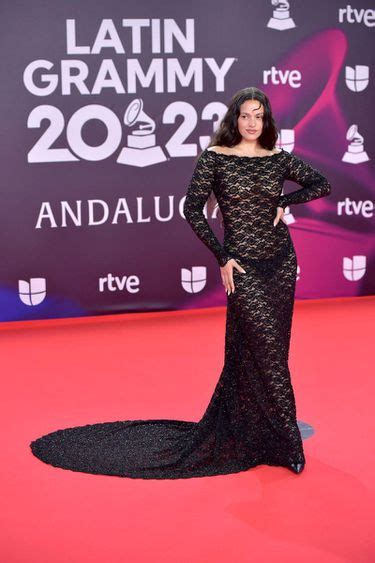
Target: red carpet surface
(69,372)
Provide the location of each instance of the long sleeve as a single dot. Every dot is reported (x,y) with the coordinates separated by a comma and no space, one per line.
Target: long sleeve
(197,194)
(315,185)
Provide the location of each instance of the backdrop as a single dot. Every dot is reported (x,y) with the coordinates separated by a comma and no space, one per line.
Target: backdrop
(105,109)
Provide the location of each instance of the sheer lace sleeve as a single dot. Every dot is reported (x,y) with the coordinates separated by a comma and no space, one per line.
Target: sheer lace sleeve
(315,185)
(197,194)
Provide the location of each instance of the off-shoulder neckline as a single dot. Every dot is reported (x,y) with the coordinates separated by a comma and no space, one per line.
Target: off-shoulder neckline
(247,157)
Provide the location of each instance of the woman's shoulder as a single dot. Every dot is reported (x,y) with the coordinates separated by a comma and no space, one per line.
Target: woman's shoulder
(214,148)
(218,149)
(228,151)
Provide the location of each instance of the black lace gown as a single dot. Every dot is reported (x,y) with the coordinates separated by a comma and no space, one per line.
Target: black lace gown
(251,417)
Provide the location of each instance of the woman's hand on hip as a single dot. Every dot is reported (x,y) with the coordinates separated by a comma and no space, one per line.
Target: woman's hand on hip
(279,215)
(227,274)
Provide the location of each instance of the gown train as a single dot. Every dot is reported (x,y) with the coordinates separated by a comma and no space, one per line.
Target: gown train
(251,416)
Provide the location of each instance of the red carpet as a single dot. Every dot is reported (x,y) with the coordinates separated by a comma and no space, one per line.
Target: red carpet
(71,372)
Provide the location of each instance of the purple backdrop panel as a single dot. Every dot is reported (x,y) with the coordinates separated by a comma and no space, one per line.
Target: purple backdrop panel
(105,109)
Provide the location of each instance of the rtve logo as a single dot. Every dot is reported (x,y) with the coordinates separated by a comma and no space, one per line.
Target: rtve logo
(357,15)
(292,78)
(119,283)
(351,207)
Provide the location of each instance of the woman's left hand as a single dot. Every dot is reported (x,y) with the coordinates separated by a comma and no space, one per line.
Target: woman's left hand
(279,215)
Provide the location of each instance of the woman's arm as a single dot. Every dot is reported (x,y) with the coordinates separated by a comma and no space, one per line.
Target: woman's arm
(315,185)
(197,194)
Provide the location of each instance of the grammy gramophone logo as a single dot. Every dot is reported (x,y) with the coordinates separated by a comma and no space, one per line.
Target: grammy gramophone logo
(281,19)
(141,147)
(355,153)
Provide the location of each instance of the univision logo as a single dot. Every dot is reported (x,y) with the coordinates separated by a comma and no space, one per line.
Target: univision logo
(194,280)
(354,268)
(32,292)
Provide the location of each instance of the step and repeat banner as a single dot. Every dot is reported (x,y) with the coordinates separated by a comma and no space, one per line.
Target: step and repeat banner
(105,109)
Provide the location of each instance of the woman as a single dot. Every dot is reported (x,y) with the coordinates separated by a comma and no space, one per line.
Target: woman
(251,417)
(258,269)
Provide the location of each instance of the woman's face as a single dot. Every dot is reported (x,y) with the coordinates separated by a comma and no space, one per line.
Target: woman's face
(250,120)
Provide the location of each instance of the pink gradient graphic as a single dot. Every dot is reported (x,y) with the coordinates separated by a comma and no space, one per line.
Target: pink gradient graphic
(320,237)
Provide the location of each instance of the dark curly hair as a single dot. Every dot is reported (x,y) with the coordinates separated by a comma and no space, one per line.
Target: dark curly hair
(227,133)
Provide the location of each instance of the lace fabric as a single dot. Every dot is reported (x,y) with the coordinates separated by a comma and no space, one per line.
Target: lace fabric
(251,416)
(248,190)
